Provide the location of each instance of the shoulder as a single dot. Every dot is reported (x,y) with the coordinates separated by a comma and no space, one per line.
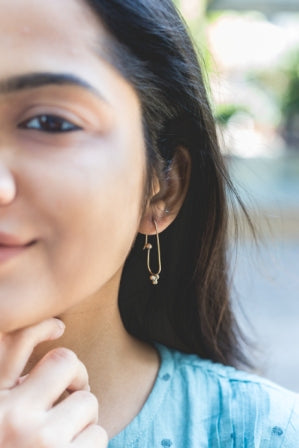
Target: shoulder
(243,404)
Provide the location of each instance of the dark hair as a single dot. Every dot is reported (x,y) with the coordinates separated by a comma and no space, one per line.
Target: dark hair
(190,309)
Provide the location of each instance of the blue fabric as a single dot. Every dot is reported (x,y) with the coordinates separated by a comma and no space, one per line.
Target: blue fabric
(197,403)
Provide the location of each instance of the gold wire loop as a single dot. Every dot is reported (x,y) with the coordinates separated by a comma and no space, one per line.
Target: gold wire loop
(154,277)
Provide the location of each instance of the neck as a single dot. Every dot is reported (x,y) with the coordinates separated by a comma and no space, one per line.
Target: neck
(121,369)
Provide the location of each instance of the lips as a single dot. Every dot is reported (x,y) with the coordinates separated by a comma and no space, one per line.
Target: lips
(10,240)
(11,245)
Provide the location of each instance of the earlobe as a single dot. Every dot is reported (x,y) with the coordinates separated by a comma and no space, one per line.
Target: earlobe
(165,205)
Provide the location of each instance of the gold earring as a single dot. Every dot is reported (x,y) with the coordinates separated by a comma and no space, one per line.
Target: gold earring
(154,277)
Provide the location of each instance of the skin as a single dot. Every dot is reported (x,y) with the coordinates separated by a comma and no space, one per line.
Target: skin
(79,196)
(96,174)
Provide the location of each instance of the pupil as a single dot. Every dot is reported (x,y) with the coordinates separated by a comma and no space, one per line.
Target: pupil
(51,123)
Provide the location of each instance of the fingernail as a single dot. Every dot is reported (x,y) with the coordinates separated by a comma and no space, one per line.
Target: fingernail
(87,387)
(59,329)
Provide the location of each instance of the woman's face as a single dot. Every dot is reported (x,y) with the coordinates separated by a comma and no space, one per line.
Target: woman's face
(72,160)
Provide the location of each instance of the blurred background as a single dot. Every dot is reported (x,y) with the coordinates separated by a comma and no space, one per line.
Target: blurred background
(250,50)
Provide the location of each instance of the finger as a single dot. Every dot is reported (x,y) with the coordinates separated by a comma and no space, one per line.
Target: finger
(21,379)
(16,348)
(58,370)
(72,415)
(93,436)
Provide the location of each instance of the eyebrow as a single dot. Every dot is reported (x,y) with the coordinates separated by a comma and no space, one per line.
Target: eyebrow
(35,80)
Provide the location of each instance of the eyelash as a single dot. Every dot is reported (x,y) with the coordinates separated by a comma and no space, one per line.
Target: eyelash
(39,122)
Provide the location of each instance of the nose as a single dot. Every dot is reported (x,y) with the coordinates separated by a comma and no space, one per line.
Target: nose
(7,185)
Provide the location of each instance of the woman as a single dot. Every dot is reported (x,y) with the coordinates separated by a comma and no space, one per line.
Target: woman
(107,142)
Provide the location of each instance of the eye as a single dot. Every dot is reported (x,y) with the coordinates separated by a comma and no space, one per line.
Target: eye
(49,123)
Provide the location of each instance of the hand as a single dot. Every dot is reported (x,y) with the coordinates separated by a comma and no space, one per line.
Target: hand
(30,416)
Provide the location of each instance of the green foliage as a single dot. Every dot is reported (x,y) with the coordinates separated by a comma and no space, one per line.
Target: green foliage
(290,98)
(224,112)
(281,83)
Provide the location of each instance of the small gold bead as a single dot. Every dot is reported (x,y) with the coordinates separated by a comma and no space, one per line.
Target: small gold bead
(148,246)
(154,278)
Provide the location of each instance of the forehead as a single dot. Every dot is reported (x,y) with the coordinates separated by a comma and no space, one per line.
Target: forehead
(25,17)
(39,34)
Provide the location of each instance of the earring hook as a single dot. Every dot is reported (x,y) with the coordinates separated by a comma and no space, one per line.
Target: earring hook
(154,277)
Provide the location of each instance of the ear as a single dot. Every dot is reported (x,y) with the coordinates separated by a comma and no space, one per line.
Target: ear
(168,195)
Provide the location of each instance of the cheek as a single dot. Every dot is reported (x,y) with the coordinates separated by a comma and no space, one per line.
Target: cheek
(91,212)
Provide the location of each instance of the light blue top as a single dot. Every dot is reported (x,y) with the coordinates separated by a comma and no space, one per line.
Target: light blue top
(197,403)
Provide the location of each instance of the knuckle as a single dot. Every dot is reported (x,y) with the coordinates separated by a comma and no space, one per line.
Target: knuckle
(82,370)
(63,354)
(97,435)
(89,399)
(101,434)
(44,438)
(15,423)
